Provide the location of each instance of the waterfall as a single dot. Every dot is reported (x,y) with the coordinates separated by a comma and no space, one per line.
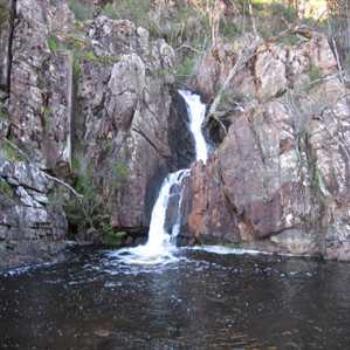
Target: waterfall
(161,242)
(196,112)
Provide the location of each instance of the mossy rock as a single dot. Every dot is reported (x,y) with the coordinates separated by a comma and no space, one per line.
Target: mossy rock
(5,189)
(4,12)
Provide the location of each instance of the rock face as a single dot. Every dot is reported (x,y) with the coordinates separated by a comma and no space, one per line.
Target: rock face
(43,78)
(91,99)
(31,229)
(280,178)
(126,101)
(5,34)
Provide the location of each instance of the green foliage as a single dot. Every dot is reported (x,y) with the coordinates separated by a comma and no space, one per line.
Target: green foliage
(11,153)
(315,73)
(120,172)
(4,13)
(3,111)
(290,39)
(5,188)
(46,115)
(134,10)
(84,213)
(229,30)
(90,56)
(185,69)
(76,65)
(81,11)
(113,238)
(110,11)
(53,43)
(91,211)
(75,42)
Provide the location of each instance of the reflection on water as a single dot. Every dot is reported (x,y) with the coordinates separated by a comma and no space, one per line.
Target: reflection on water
(200,301)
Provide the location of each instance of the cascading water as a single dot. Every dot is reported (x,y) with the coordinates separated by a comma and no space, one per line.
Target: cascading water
(161,242)
(196,111)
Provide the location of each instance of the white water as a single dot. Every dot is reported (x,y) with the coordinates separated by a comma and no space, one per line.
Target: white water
(161,244)
(196,111)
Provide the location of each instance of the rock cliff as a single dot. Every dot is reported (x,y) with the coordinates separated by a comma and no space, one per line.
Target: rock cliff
(279,180)
(90,100)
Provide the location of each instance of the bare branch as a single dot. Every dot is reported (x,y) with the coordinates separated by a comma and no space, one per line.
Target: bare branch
(50,177)
(240,63)
(64,184)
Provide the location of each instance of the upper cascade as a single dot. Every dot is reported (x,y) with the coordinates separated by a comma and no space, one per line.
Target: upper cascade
(196,112)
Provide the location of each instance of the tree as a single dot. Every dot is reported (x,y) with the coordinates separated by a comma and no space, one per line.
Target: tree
(339,13)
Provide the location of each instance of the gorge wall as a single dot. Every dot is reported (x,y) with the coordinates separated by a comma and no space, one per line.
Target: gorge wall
(279,180)
(88,102)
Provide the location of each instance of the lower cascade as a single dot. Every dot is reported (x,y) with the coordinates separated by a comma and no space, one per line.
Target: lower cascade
(161,242)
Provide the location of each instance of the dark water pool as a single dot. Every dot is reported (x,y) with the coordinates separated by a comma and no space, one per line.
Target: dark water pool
(203,301)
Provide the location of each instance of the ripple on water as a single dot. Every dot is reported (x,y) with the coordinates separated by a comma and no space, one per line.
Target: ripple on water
(200,301)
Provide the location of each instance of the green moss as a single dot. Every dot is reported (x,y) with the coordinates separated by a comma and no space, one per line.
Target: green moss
(53,43)
(46,114)
(4,13)
(3,111)
(76,65)
(5,188)
(11,153)
(120,171)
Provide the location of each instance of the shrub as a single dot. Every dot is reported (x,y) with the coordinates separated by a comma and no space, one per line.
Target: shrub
(185,69)
(315,73)
(81,11)
(53,43)
(229,30)
(113,238)
(91,211)
(11,153)
(133,10)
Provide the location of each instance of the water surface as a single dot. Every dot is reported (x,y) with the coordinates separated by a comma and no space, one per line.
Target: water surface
(201,301)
